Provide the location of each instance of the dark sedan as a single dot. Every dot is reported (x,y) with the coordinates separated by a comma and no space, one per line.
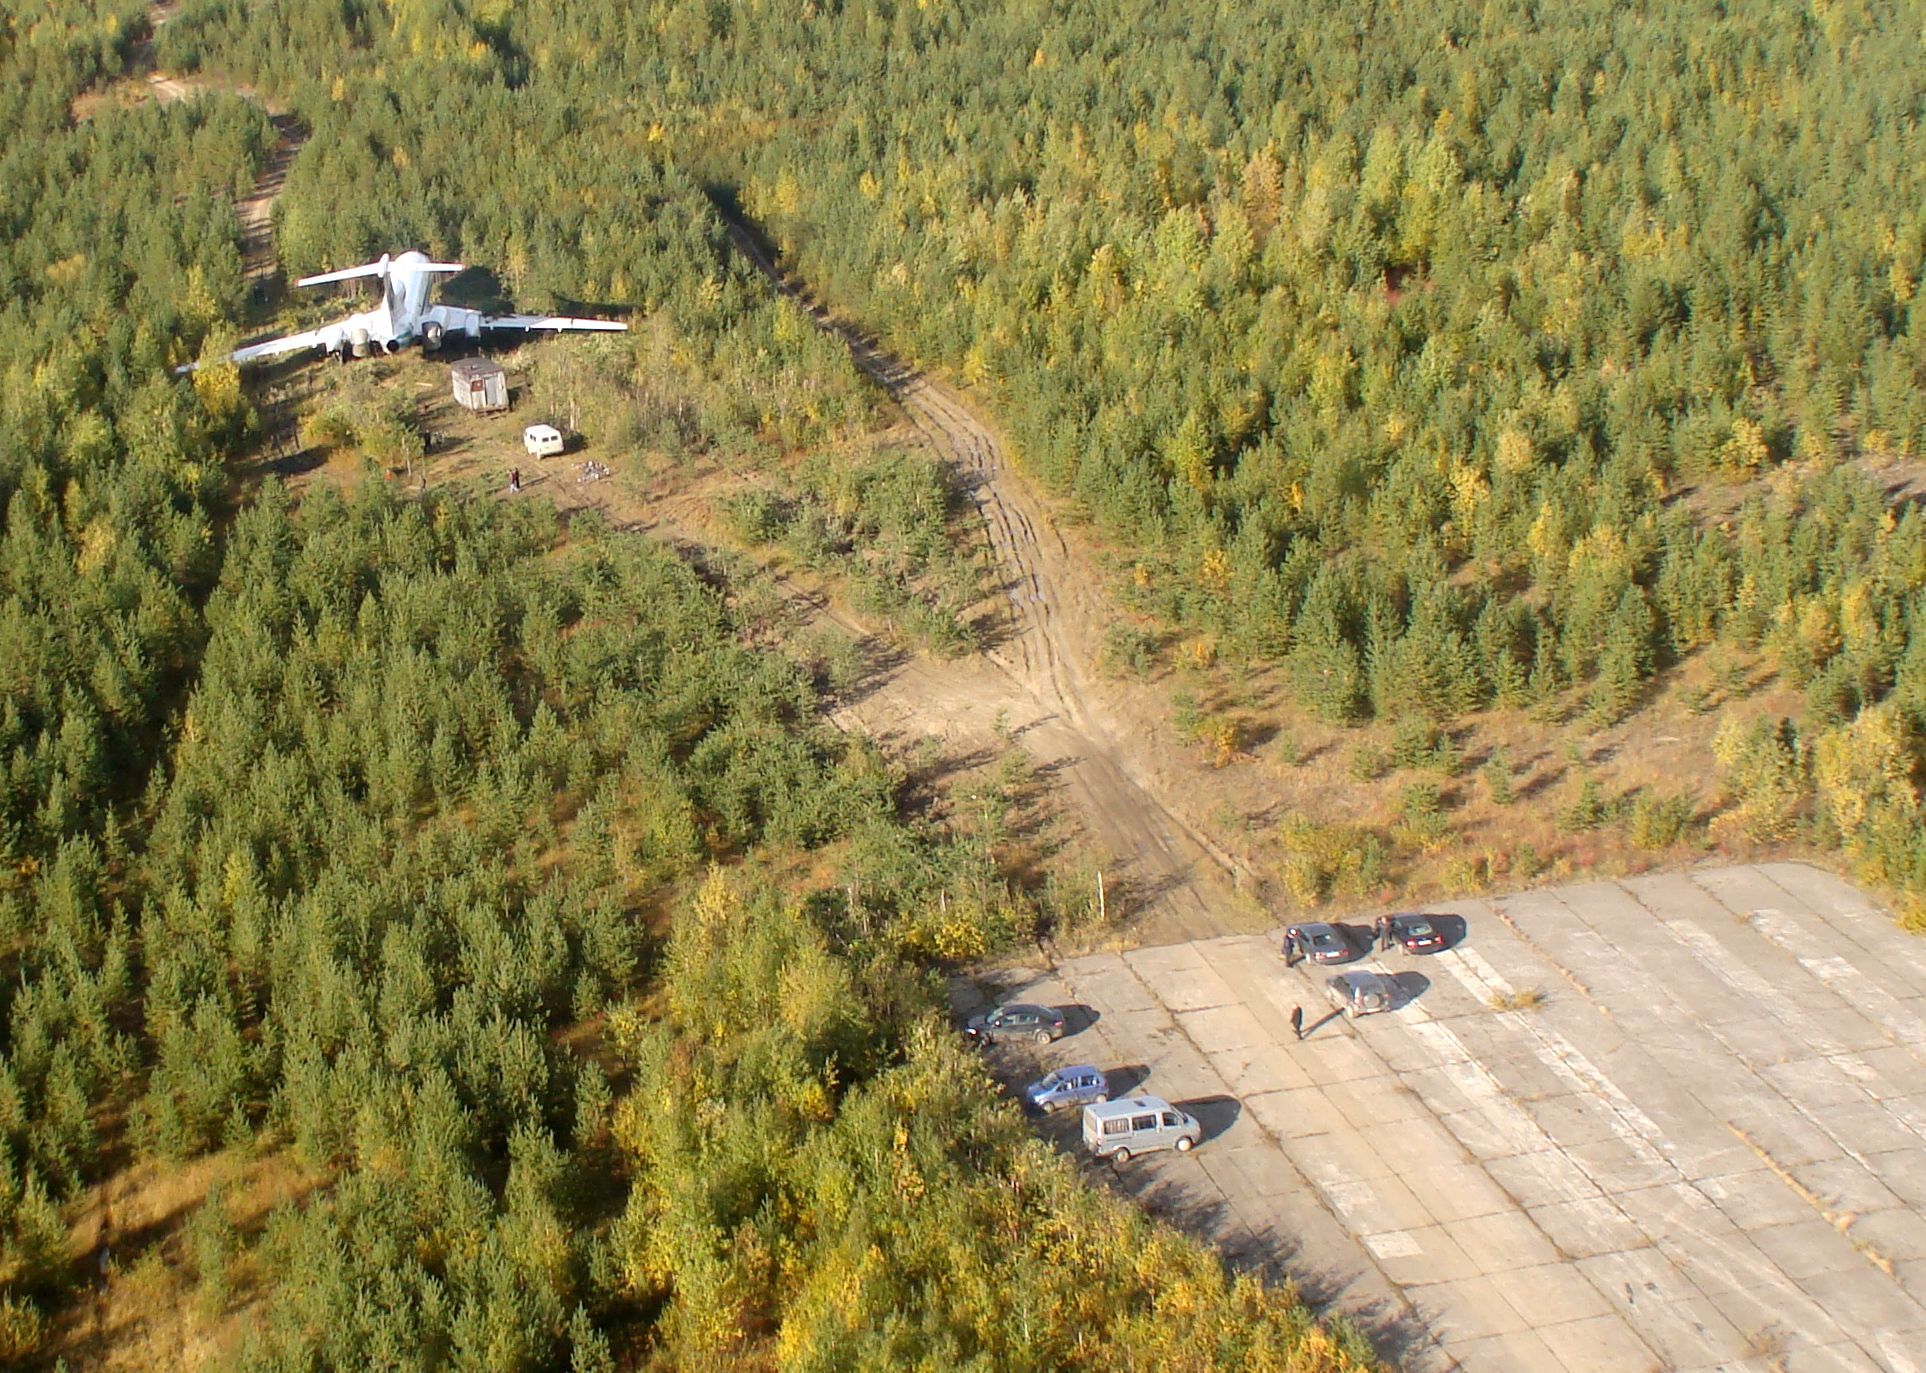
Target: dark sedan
(1416,934)
(1016,1021)
(1320,943)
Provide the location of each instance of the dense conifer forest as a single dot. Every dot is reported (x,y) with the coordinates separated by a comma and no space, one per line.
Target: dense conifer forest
(477,865)
(1446,357)
(1407,346)
(1449,357)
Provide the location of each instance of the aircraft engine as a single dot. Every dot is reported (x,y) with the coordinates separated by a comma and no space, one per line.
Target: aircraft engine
(391,345)
(431,336)
(358,340)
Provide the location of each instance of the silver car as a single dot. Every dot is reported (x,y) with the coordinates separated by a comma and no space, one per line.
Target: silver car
(1361,992)
(1136,1125)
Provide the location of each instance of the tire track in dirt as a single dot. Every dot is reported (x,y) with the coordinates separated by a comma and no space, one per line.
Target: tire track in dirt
(1032,680)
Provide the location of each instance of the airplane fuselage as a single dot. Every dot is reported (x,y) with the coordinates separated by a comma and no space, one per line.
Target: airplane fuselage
(403,316)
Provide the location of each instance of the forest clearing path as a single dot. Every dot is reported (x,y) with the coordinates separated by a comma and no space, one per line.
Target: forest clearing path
(255,211)
(1032,680)
(258,262)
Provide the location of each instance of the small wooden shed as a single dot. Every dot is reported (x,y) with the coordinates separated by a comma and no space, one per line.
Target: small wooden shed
(479,384)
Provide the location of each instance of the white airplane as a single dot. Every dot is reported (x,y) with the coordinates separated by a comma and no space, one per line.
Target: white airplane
(404,316)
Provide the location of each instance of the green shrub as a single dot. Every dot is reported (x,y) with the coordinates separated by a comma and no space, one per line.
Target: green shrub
(1659,822)
(1422,818)
(1767,770)
(1588,810)
(756,515)
(1498,779)
(1418,743)
(1128,651)
(1322,860)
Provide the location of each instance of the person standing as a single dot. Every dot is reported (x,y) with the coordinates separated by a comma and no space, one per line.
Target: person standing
(1293,949)
(1297,1021)
(1384,934)
(515,479)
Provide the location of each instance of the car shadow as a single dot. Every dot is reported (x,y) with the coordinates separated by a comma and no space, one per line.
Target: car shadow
(1077,1018)
(1410,986)
(1124,1081)
(1358,938)
(1452,927)
(1215,1113)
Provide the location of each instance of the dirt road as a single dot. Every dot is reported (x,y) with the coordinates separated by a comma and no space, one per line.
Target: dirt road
(258,262)
(1034,680)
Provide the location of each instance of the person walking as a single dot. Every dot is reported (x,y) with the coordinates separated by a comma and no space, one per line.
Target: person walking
(1297,1021)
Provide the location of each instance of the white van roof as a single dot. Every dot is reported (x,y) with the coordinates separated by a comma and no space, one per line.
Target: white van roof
(539,432)
(1128,1106)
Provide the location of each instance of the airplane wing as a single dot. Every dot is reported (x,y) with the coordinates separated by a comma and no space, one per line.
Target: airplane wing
(550,322)
(267,348)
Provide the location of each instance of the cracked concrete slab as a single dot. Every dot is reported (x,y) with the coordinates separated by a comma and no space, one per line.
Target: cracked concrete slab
(1704,1150)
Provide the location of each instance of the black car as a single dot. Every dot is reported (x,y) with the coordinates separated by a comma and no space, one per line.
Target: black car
(1416,934)
(1016,1021)
(1320,943)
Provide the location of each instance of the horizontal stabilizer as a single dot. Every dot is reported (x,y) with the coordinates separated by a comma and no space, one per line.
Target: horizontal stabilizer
(381,269)
(366,269)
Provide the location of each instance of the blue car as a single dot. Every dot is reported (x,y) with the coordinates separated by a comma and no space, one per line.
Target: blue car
(1076,1086)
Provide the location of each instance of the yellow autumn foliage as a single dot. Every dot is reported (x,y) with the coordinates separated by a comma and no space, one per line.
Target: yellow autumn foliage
(1866,766)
